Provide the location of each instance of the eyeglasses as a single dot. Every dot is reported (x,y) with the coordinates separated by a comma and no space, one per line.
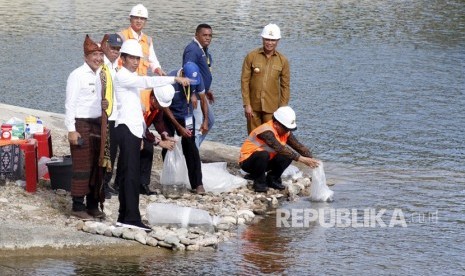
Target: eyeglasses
(115,48)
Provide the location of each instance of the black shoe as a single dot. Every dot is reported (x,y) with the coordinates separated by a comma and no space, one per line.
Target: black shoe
(276,185)
(275,182)
(260,187)
(145,190)
(96,213)
(135,225)
(249,177)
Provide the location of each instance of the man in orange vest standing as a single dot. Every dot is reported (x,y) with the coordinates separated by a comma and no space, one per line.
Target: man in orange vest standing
(149,63)
(270,148)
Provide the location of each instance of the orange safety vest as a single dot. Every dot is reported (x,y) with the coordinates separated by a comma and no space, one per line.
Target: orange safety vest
(253,143)
(150,116)
(145,42)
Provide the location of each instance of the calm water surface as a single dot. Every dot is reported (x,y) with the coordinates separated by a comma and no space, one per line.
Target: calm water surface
(378,87)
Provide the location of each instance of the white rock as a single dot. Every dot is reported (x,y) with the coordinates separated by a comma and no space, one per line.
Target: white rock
(165,244)
(228,219)
(274,202)
(223,226)
(171,239)
(152,241)
(193,247)
(3,200)
(141,236)
(159,234)
(186,241)
(245,213)
(179,247)
(241,221)
(212,240)
(28,208)
(117,231)
(128,234)
(101,228)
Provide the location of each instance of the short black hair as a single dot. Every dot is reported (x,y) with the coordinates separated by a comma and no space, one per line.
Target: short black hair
(202,26)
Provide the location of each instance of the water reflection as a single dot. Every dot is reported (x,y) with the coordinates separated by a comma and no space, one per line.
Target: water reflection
(265,248)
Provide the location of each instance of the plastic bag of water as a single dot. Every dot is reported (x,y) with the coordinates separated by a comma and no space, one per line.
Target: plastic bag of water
(217,179)
(165,214)
(319,191)
(174,177)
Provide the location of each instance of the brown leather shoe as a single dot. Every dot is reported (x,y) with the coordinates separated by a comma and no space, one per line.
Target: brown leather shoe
(83,215)
(200,190)
(96,213)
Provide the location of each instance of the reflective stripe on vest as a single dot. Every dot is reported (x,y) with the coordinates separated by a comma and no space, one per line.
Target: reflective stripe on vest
(253,143)
(145,42)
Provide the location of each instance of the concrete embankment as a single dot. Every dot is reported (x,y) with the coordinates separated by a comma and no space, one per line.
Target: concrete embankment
(34,221)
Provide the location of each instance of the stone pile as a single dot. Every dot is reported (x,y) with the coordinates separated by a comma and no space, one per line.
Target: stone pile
(229,210)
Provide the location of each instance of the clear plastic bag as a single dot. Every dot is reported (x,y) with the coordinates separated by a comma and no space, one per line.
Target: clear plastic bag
(319,191)
(174,177)
(166,214)
(217,179)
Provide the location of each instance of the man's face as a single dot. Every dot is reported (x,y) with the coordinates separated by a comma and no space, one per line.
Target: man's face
(280,128)
(94,60)
(270,44)
(111,52)
(204,37)
(131,62)
(137,23)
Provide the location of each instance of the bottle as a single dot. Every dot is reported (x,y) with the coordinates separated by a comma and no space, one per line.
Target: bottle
(40,126)
(27,132)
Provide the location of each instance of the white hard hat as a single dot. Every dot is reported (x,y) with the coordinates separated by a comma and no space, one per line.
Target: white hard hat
(140,11)
(271,31)
(286,116)
(164,95)
(132,47)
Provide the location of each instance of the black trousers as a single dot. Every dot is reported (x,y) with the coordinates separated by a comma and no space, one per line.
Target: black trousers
(259,163)
(146,160)
(129,170)
(190,151)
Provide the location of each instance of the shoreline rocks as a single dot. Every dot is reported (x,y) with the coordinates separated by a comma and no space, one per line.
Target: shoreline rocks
(42,219)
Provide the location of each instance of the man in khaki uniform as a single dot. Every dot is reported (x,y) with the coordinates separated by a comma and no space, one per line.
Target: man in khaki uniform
(265,79)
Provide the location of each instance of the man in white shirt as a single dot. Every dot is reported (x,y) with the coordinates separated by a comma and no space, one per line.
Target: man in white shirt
(130,127)
(83,110)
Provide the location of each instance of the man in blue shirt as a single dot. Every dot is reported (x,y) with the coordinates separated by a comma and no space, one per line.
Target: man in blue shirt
(197,52)
(179,119)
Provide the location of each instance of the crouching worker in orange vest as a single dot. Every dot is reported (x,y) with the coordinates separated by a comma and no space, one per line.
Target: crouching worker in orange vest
(270,149)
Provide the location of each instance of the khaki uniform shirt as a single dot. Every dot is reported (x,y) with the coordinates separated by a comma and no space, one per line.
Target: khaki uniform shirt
(265,81)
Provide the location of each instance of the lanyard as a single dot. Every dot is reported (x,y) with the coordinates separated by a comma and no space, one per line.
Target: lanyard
(188,94)
(207,56)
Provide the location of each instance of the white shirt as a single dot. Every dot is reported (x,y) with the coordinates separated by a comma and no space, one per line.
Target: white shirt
(83,100)
(154,63)
(127,87)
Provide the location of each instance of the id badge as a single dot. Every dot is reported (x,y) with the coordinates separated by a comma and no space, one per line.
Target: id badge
(189,120)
